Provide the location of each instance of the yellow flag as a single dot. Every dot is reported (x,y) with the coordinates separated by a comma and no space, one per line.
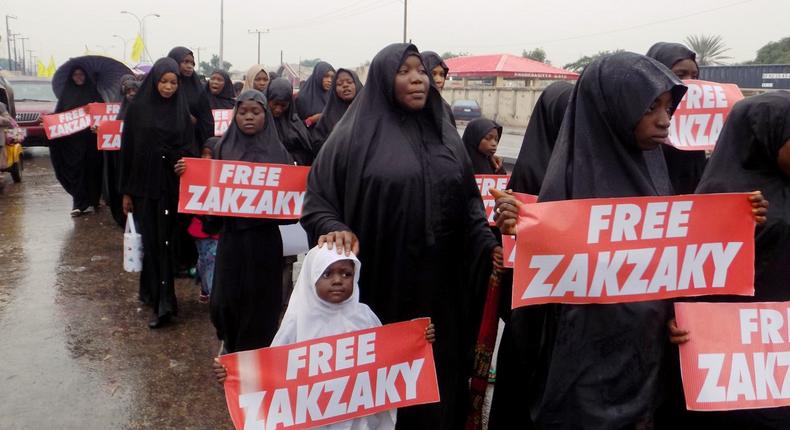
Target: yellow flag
(41,69)
(137,49)
(51,67)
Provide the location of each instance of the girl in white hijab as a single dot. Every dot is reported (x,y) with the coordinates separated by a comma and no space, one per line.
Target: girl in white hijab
(256,78)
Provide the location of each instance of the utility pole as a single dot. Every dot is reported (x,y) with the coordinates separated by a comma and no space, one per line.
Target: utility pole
(8,39)
(23,39)
(405,14)
(124,45)
(259,32)
(281,58)
(221,32)
(31,63)
(16,60)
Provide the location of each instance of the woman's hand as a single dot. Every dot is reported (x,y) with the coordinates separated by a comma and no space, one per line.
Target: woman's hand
(343,241)
(180,167)
(506,211)
(127,204)
(313,119)
(193,119)
(430,333)
(498,258)
(496,162)
(219,371)
(759,207)
(677,335)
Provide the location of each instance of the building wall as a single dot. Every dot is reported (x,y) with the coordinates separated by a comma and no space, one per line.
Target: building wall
(508,106)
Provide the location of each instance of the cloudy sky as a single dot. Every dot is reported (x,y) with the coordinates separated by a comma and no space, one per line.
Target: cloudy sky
(349,32)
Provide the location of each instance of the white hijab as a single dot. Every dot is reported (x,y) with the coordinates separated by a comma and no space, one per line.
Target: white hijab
(310,317)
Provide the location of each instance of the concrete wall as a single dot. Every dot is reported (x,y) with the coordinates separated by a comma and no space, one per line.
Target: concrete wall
(508,106)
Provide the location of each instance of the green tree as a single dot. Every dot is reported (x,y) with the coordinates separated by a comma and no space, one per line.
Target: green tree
(537,54)
(774,53)
(710,49)
(206,69)
(450,54)
(310,62)
(581,63)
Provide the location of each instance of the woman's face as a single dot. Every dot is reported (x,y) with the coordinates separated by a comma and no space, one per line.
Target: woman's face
(326,81)
(130,93)
(489,143)
(345,88)
(187,66)
(686,69)
(78,76)
(411,84)
(216,83)
(278,107)
(167,85)
(250,117)
(261,81)
(784,158)
(438,77)
(336,284)
(653,129)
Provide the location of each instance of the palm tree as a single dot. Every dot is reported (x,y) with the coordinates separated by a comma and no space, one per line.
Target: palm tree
(710,49)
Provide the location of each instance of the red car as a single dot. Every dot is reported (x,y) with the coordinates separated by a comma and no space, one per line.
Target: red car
(34,97)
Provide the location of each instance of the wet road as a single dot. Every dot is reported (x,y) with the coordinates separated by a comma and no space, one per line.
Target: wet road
(75,351)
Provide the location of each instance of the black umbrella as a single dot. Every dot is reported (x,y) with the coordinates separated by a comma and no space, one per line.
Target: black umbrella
(105,72)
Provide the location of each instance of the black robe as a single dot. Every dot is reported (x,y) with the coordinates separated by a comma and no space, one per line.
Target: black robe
(312,98)
(403,183)
(197,98)
(75,158)
(226,98)
(157,133)
(600,366)
(685,167)
(334,109)
(475,132)
(112,161)
(431,60)
(246,300)
(290,128)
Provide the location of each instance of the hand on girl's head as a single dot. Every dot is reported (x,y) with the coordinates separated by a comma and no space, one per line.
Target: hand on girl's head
(336,284)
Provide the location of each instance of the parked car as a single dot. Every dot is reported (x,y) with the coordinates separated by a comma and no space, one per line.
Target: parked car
(466,110)
(34,97)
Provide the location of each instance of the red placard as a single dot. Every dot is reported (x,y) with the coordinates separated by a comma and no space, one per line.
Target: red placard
(103,112)
(66,123)
(222,119)
(108,135)
(737,356)
(634,249)
(700,116)
(241,189)
(332,379)
(509,250)
(484,184)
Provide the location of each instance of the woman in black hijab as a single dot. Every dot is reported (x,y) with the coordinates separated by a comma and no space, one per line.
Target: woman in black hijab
(220,91)
(290,128)
(246,299)
(314,93)
(481,138)
(112,159)
(195,93)
(75,158)
(345,87)
(157,133)
(394,183)
(438,70)
(685,167)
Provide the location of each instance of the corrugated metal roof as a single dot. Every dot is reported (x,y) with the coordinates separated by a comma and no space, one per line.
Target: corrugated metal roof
(505,65)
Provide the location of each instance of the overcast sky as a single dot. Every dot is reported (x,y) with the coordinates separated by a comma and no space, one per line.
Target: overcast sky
(349,32)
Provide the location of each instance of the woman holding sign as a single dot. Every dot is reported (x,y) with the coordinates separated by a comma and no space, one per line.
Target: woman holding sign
(394,182)
(157,133)
(75,158)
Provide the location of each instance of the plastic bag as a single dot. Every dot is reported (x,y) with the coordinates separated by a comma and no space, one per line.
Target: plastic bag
(132,247)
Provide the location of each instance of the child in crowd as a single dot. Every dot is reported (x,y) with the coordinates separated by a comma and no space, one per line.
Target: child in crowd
(205,241)
(481,139)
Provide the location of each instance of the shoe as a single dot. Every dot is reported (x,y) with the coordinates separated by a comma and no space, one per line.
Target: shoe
(159,322)
(75,213)
(88,210)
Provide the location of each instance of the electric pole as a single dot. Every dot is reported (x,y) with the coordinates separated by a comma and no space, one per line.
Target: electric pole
(405,14)
(259,32)
(8,39)
(221,32)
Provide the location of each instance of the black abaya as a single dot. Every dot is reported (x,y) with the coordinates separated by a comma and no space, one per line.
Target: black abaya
(226,98)
(197,99)
(334,109)
(290,128)
(403,183)
(112,161)
(312,98)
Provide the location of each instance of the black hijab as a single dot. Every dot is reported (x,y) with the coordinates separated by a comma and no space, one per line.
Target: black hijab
(290,128)
(617,349)
(474,133)
(312,98)
(334,110)
(685,167)
(74,96)
(196,97)
(127,82)
(431,60)
(542,130)
(226,97)
(745,160)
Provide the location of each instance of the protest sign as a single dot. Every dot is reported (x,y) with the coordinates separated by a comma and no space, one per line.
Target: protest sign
(103,112)
(222,119)
(484,185)
(66,123)
(108,135)
(699,118)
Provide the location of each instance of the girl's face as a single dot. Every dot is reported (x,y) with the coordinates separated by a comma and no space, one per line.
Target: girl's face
(187,66)
(216,83)
(345,88)
(130,93)
(489,143)
(784,158)
(411,84)
(250,117)
(167,85)
(336,284)
(686,69)
(278,107)
(653,129)
(261,81)
(438,77)
(78,76)
(326,81)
